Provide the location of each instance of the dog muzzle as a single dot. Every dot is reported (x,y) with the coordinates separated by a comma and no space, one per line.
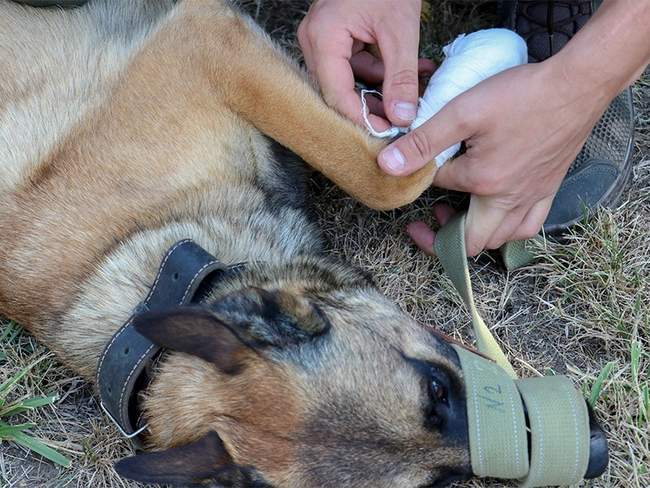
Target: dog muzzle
(536,430)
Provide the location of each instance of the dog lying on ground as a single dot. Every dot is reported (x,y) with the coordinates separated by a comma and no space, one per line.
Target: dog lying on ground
(129,126)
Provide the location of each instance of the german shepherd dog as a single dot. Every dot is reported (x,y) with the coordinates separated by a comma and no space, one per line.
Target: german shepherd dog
(127,126)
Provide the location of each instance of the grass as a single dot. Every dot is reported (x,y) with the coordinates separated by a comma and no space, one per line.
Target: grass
(582,310)
(72,424)
(10,408)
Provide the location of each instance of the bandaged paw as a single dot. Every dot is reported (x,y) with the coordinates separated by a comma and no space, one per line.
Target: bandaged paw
(469,60)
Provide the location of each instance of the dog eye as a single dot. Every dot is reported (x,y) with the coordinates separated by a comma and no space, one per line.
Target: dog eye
(437,386)
(438,402)
(437,391)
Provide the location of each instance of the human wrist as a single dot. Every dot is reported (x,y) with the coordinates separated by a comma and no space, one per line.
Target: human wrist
(574,79)
(610,51)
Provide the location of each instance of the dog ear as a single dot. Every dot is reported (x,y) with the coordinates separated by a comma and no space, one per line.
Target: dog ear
(275,318)
(235,326)
(195,330)
(192,463)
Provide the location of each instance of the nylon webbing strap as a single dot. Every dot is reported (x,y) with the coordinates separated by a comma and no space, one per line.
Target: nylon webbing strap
(495,417)
(558,419)
(450,249)
(517,254)
(559,431)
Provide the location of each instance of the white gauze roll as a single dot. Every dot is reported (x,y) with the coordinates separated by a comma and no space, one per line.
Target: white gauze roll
(469,60)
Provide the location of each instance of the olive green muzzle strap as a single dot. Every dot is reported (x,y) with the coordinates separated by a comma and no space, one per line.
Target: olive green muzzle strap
(517,254)
(451,251)
(559,431)
(557,414)
(495,419)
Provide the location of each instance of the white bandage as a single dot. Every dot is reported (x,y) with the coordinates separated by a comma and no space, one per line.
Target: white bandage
(469,60)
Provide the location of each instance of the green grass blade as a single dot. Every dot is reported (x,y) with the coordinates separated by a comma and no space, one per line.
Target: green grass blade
(597,388)
(7,430)
(40,448)
(635,360)
(8,385)
(645,403)
(25,405)
(10,331)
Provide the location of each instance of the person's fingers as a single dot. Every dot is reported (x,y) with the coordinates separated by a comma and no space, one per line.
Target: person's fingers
(339,93)
(459,174)
(422,235)
(490,227)
(375,105)
(426,67)
(399,49)
(305,45)
(336,81)
(483,219)
(443,213)
(521,223)
(328,59)
(371,69)
(367,67)
(534,220)
(334,74)
(419,147)
(486,227)
(507,229)
(378,123)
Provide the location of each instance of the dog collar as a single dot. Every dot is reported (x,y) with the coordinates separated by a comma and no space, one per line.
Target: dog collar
(124,366)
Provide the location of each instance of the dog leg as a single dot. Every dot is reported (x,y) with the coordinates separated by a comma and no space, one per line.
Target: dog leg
(258,82)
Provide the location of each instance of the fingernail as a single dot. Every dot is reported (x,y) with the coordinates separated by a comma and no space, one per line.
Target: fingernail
(393,160)
(406,111)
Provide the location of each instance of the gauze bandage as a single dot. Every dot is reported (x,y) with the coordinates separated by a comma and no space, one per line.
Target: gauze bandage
(469,60)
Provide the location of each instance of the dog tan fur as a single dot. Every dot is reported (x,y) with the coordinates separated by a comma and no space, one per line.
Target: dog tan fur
(127,126)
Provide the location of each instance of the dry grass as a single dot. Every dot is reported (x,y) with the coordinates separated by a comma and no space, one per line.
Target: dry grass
(581,307)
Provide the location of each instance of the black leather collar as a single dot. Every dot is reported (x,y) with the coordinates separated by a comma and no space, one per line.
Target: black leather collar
(124,366)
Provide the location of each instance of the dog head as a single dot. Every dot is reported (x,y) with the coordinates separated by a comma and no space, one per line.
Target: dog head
(303,377)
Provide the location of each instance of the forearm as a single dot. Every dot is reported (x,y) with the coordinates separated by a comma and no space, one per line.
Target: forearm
(611,51)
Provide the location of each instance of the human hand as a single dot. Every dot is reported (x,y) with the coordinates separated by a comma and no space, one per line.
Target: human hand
(333,37)
(522,128)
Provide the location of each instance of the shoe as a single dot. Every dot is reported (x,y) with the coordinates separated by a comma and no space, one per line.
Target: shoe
(546,26)
(53,3)
(600,173)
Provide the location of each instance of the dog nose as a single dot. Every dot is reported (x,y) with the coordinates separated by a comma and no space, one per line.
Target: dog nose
(598,451)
